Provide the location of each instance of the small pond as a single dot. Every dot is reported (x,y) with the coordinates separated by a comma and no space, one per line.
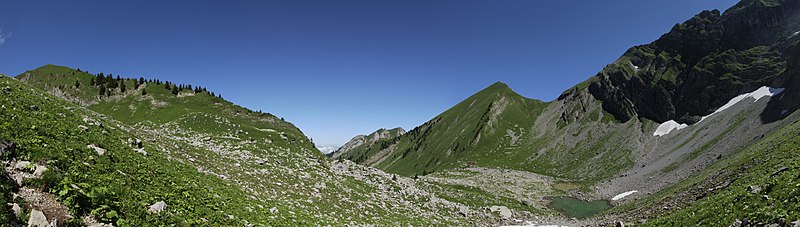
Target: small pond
(577,208)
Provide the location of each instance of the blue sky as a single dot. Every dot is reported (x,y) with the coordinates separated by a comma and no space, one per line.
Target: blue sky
(340,68)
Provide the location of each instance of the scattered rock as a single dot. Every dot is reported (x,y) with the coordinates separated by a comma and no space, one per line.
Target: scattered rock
(795,223)
(140,151)
(91,222)
(736,223)
(40,169)
(619,224)
(723,185)
(779,171)
(83,128)
(273,210)
(35,108)
(464,211)
(38,219)
(505,213)
(22,165)
(755,189)
(99,150)
(15,207)
(320,185)
(157,207)
(7,89)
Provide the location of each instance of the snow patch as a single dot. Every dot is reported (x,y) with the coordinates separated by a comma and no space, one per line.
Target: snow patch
(795,34)
(623,195)
(668,126)
(636,67)
(757,94)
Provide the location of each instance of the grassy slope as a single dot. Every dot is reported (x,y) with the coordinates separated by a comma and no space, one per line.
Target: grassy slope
(122,180)
(134,108)
(498,128)
(207,158)
(462,133)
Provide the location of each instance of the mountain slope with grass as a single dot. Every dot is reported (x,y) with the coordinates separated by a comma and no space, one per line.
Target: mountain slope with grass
(158,155)
(659,115)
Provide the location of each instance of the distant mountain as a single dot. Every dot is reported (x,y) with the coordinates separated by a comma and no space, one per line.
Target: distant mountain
(362,146)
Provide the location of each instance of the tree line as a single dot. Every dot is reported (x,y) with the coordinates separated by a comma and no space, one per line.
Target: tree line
(107,84)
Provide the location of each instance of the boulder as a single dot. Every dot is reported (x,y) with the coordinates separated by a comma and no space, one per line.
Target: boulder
(505,213)
(22,165)
(99,150)
(157,207)
(755,189)
(38,219)
(15,207)
(40,169)
(140,151)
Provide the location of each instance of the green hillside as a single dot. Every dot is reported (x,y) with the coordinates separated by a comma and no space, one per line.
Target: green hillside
(210,162)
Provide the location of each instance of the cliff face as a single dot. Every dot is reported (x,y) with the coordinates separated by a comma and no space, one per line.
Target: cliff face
(702,63)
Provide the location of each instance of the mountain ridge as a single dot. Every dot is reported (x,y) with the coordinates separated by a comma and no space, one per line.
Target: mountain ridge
(599,133)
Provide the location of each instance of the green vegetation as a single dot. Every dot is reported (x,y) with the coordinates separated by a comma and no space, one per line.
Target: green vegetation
(211,162)
(118,185)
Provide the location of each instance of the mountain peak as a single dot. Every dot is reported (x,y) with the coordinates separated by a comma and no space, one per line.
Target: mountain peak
(499,85)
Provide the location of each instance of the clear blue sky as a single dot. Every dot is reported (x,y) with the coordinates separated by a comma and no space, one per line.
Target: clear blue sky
(340,68)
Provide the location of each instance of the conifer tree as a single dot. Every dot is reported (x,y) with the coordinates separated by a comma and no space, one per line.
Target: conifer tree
(100,79)
(77,84)
(144,92)
(102,89)
(175,90)
(122,86)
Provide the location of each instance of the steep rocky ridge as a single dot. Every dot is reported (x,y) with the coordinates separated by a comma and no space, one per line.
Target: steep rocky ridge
(362,146)
(700,64)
